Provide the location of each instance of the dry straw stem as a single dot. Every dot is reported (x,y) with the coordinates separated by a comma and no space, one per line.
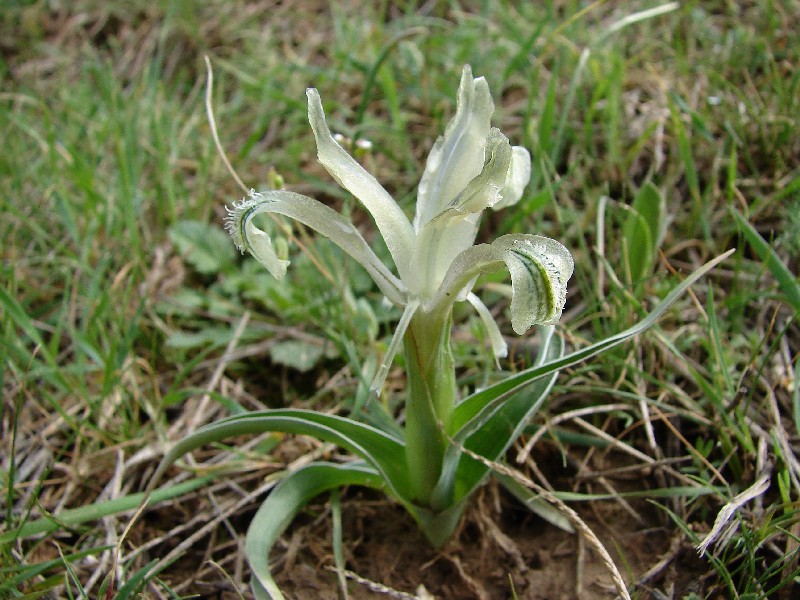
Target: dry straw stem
(224,512)
(379,588)
(574,518)
(213,124)
(523,454)
(729,510)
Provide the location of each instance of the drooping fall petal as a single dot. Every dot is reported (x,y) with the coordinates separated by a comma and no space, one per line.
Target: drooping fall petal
(539,268)
(317,216)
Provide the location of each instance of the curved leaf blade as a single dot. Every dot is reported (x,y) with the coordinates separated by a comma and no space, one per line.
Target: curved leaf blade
(382,451)
(495,427)
(282,505)
(498,430)
(473,404)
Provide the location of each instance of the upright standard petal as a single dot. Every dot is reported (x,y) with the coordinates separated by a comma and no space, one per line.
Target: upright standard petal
(519,174)
(317,216)
(540,268)
(453,230)
(458,156)
(393,224)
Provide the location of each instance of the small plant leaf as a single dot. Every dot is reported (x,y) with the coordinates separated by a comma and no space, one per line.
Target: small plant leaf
(189,340)
(204,246)
(297,354)
(642,230)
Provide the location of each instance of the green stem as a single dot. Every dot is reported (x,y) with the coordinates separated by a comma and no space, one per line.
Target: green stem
(430,402)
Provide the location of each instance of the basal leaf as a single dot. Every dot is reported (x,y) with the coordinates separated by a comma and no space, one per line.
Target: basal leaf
(470,406)
(495,427)
(381,450)
(283,504)
(642,230)
(502,424)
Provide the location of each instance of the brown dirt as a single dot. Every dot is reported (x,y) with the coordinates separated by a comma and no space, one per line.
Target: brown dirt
(501,549)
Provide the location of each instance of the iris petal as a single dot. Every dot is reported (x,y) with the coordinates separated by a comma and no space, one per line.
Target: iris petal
(392,222)
(539,268)
(453,230)
(318,217)
(519,174)
(458,156)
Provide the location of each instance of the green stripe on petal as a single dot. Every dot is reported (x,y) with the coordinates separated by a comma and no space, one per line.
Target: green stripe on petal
(540,268)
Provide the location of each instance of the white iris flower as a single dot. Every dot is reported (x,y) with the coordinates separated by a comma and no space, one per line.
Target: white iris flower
(471,168)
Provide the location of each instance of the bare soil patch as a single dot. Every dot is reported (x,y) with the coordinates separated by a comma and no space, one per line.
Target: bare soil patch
(501,549)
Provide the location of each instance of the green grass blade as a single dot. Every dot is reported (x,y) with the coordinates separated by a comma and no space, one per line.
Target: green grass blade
(11,577)
(786,281)
(93,512)
(283,504)
(134,585)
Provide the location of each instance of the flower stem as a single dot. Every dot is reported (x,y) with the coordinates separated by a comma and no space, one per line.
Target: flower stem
(431,399)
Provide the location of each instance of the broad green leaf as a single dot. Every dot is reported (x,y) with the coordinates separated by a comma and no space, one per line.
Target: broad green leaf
(786,281)
(495,427)
(281,506)
(297,354)
(381,450)
(501,424)
(206,247)
(642,230)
